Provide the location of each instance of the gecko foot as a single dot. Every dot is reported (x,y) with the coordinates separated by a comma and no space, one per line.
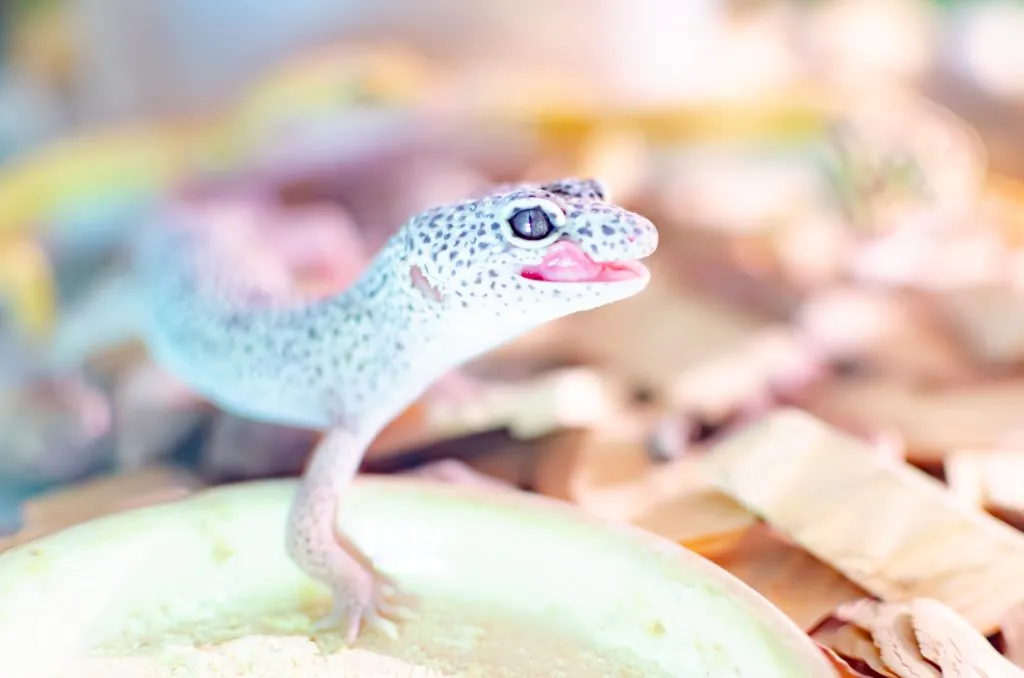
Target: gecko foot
(369,599)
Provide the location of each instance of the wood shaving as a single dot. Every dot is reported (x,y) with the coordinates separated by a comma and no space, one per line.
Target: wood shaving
(827,491)
(528,409)
(569,398)
(1001,205)
(799,584)
(852,644)
(840,665)
(667,330)
(609,474)
(925,261)
(812,248)
(69,506)
(988,320)
(919,638)
(989,480)
(455,471)
(895,334)
(931,423)
(772,361)
(706,521)
(1012,631)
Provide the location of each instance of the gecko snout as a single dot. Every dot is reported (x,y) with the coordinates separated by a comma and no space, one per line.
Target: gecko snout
(642,237)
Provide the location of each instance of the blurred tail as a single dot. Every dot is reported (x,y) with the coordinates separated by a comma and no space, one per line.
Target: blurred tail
(108,315)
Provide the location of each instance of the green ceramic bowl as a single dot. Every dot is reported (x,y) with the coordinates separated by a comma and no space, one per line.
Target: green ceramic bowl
(509,585)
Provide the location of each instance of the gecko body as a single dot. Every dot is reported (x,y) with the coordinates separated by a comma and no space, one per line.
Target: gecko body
(454,282)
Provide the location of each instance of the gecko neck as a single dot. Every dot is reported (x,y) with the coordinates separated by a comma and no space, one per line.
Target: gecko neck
(396,339)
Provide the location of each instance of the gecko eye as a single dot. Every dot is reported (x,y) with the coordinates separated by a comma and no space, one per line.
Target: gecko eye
(531,224)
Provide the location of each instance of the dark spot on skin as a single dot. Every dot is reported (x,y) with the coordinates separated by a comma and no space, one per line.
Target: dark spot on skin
(607,230)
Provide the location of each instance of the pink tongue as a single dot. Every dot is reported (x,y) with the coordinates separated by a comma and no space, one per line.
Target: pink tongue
(565,262)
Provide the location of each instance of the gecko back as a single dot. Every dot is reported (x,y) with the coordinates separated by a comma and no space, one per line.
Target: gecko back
(222,301)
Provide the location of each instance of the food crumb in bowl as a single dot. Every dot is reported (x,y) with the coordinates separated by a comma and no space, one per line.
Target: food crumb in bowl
(254,657)
(450,637)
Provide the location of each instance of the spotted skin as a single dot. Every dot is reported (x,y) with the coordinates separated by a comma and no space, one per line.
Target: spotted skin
(447,287)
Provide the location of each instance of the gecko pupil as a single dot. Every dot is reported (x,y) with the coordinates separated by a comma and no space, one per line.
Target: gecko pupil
(531,224)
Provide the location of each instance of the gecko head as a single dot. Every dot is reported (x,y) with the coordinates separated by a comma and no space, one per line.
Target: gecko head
(526,254)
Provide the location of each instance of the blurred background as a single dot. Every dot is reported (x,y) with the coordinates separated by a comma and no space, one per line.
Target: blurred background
(835,181)
(73,65)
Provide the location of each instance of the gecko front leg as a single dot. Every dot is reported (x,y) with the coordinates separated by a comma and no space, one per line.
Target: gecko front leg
(360,592)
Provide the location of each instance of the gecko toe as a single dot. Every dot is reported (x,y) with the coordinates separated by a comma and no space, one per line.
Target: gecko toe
(353,623)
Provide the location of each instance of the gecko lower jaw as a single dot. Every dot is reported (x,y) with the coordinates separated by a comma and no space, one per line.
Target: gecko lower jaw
(567,263)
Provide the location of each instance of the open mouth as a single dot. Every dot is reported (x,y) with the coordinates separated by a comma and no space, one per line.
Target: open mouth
(567,263)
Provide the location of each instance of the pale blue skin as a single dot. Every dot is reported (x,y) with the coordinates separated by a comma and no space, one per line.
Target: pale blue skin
(444,289)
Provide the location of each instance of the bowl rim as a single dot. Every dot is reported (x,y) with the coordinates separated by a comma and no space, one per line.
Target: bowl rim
(800,650)
(520,502)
